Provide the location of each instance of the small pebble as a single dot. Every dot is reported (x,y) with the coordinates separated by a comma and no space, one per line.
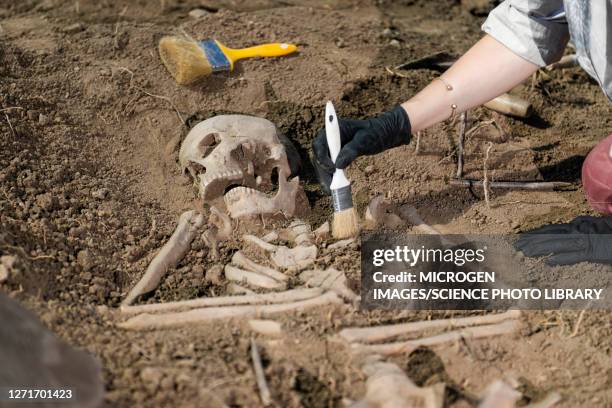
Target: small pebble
(100,194)
(73,28)
(395,43)
(369,170)
(198,13)
(43,119)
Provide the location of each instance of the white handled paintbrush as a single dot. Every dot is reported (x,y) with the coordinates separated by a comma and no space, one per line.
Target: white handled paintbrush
(345,223)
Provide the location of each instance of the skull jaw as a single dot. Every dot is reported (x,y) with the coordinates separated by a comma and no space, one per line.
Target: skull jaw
(290,201)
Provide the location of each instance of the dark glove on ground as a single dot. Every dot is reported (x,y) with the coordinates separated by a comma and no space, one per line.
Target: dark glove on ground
(583,239)
(359,138)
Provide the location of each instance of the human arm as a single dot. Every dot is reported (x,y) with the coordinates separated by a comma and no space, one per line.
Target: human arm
(522,35)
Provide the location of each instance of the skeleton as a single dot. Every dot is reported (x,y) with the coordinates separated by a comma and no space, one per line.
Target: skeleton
(233,161)
(319,288)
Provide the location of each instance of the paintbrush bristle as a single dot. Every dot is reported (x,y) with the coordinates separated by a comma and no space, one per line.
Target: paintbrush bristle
(184,59)
(345,223)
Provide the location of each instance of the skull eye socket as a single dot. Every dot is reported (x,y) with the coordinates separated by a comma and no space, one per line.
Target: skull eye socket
(208,143)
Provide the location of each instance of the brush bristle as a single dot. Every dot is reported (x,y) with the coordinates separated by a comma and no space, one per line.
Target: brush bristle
(345,224)
(184,59)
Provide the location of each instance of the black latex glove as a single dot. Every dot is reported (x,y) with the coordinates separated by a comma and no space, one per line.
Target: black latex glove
(359,138)
(583,239)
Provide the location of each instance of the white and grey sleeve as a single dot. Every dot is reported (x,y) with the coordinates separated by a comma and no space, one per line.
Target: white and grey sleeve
(536,30)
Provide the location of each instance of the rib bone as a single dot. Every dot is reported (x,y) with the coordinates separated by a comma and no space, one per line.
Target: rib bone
(239,259)
(467,333)
(380,333)
(205,315)
(293,295)
(252,278)
(170,254)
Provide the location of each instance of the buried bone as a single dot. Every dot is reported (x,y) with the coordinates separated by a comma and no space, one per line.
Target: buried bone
(299,257)
(252,278)
(170,254)
(388,386)
(380,333)
(239,259)
(477,332)
(220,230)
(500,395)
(204,315)
(329,279)
(243,152)
(380,212)
(293,295)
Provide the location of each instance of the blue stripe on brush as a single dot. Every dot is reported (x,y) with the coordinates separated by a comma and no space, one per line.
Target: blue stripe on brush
(216,57)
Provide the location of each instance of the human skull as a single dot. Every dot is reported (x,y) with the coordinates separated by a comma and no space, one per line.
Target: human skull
(241,158)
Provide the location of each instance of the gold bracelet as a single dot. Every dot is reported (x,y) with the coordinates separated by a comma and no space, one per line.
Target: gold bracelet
(448,86)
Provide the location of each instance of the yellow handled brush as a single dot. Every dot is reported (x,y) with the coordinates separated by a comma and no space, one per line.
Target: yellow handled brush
(189,61)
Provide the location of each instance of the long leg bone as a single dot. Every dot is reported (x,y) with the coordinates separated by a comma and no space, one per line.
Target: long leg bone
(161,321)
(170,254)
(388,386)
(380,333)
(239,259)
(252,278)
(477,332)
(293,295)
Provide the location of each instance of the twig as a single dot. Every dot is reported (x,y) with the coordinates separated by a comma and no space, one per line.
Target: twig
(390,71)
(577,327)
(462,127)
(515,185)
(10,125)
(485,182)
(417,147)
(165,98)
(264,391)
(10,108)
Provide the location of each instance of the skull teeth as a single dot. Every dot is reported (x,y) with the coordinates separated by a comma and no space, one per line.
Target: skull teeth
(207,179)
(237,192)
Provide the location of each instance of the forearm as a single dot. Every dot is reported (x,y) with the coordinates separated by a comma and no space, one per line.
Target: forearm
(486,71)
